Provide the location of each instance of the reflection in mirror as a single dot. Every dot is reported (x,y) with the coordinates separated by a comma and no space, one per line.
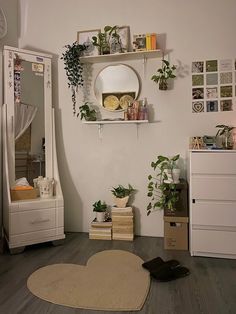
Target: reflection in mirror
(115,86)
(29,119)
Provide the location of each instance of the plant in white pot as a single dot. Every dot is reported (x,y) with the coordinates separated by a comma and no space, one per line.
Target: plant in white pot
(162,186)
(100,208)
(121,195)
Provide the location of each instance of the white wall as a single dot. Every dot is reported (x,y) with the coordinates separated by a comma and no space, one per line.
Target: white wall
(89,167)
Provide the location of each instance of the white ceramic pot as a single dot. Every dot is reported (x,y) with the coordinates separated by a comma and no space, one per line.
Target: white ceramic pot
(101,216)
(175,175)
(169,179)
(121,202)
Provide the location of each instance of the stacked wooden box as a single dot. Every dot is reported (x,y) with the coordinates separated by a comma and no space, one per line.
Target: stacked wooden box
(122,223)
(100,230)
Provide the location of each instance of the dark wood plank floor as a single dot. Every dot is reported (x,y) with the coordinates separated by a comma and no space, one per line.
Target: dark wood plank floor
(210,289)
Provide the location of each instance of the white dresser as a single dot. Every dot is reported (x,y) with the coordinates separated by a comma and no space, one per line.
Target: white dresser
(213,203)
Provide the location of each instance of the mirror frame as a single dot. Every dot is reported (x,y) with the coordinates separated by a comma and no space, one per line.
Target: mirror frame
(10,55)
(113,65)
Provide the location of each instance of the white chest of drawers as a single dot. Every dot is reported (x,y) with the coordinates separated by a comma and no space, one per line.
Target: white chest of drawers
(213,203)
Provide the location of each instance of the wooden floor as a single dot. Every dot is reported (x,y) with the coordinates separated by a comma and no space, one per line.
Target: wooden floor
(210,289)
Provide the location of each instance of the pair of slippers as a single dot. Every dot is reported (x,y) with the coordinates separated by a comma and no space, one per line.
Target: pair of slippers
(165,271)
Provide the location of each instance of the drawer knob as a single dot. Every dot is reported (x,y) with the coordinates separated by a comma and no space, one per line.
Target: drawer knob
(38,221)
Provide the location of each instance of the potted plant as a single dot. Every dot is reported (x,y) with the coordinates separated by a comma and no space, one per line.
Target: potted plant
(87,113)
(102,40)
(121,195)
(224,136)
(74,69)
(162,187)
(100,208)
(165,73)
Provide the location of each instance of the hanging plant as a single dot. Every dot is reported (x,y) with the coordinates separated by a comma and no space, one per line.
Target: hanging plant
(74,69)
(165,73)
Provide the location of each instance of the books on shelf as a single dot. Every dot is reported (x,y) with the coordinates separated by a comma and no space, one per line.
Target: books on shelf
(100,230)
(122,223)
(104,224)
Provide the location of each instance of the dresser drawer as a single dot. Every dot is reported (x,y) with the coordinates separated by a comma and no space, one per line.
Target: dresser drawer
(213,163)
(213,241)
(214,213)
(30,221)
(214,187)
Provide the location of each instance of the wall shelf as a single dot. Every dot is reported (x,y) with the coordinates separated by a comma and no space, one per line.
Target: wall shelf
(123,56)
(100,124)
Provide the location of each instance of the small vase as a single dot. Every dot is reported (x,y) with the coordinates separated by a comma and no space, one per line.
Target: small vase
(163,85)
(175,175)
(121,202)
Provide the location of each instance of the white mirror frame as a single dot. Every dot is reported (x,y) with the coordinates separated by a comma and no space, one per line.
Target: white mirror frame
(9,57)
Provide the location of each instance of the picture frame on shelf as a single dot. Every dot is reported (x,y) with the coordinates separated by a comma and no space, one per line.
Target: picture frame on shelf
(124,33)
(85,38)
(139,42)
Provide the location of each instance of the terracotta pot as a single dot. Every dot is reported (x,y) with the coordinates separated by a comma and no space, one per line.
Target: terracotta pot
(121,202)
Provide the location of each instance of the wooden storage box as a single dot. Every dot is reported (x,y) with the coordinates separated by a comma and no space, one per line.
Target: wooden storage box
(23,195)
(176,233)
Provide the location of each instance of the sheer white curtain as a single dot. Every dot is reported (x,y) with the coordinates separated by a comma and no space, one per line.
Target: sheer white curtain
(24,115)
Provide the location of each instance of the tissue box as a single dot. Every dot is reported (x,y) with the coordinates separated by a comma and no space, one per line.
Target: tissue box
(23,195)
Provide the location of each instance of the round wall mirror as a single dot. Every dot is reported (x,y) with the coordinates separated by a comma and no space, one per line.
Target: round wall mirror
(116,86)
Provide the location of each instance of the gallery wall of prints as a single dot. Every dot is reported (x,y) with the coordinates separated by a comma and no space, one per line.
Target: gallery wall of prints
(213,85)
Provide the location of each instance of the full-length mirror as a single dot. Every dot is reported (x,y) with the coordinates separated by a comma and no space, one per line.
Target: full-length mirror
(33,204)
(115,86)
(29,119)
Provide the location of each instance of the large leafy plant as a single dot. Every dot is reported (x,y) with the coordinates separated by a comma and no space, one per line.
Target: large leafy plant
(74,69)
(163,195)
(226,132)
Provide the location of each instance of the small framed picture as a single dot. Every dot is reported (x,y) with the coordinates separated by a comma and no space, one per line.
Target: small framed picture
(139,42)
(85,38)
(124,33)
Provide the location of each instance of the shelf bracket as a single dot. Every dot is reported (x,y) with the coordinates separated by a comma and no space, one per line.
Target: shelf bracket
(100,127)
(144,66)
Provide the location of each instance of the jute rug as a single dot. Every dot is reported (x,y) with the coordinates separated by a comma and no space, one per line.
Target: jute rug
(113,280)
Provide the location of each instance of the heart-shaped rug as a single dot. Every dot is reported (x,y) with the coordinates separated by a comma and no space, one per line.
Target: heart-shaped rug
(113,280)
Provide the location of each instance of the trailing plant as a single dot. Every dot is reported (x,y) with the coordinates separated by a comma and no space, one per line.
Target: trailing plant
(163,195)
(102,40)
(87,113)
(99,206)
(120,191)
(74,69)
(164,73)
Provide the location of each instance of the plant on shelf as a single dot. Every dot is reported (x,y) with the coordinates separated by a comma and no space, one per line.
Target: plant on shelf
(103,39)
(74,69)
(87,113)
(162,186)
(225,135)
(165,73)
(121,195)
(100,208)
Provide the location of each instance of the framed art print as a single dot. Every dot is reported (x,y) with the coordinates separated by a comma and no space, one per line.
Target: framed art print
(85,38)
